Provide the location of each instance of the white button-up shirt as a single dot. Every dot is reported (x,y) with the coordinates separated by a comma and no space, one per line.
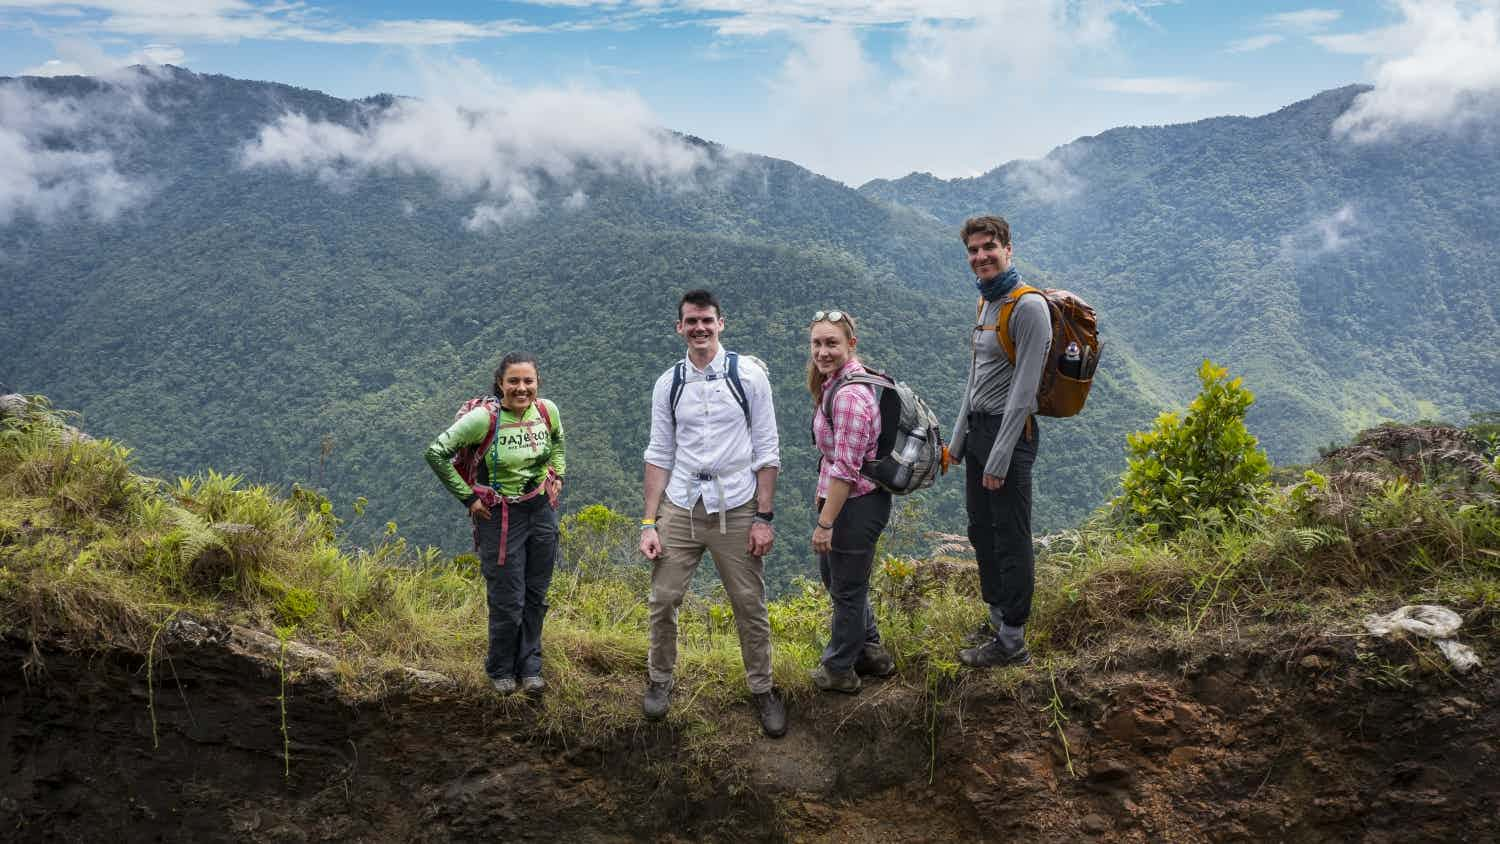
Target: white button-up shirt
(710,437)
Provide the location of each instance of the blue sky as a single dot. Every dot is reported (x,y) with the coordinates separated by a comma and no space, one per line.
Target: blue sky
(853,89)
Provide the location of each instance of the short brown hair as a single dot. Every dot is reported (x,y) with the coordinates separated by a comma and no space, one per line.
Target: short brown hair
(996,227)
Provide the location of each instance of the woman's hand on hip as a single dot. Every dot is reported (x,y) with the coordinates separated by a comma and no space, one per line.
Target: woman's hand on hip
(477,509)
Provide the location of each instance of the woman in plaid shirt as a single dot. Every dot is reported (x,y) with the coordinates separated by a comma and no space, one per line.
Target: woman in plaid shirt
(852,510)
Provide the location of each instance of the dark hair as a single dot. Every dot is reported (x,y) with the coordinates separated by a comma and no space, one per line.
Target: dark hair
(510,360)
(996,227)
(701,298)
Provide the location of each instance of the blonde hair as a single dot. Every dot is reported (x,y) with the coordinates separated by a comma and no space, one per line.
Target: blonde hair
(816,379)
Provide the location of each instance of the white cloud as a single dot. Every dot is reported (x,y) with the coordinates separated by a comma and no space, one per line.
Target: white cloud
(1047,179)
(576,201)
(482,138)
(59,162)
(231,20)
(1253,43)
(83,57)
(1322,235)
(1021,39)
(1437,68)
(1177,86)
(1305,20)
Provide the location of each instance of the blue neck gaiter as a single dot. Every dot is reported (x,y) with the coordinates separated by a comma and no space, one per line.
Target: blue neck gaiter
(998,286)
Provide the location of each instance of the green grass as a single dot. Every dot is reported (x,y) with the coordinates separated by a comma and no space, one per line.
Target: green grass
(94,553)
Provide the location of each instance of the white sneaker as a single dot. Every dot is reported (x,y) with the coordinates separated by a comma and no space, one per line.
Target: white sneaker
(530,685)
(504,685)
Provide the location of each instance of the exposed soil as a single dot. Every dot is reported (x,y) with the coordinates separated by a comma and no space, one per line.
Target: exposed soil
(1291,739)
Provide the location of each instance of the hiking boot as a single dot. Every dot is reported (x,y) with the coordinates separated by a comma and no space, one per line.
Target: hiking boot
(835,681)
(994,653)
(533,685)
(772,712)
(875,661)
(657,701)
(504,685)
(983,633)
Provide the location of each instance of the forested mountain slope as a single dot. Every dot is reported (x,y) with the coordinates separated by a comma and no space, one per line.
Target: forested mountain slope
(323,327)
(1349,282)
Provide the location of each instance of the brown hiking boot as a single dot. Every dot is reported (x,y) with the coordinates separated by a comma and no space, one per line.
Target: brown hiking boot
(875,661)
(772,712)
(835,681)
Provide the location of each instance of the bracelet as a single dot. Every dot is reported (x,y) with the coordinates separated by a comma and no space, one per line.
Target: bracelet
(823,526)
(648,524)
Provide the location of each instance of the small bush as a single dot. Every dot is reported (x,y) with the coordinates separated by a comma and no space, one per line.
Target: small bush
(1197,468)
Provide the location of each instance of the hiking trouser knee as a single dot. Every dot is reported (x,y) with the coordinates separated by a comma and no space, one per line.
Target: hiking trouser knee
(846,571)
(516,591)
(1000,521)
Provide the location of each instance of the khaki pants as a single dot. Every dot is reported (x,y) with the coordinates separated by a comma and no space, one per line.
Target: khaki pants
(685,535)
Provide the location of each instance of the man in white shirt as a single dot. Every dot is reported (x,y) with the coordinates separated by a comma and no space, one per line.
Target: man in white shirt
(714,452)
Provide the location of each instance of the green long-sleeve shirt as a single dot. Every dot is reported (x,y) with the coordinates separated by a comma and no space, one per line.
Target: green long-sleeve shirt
(522,451)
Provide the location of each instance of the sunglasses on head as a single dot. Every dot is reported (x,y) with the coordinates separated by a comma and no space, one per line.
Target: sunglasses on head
(831,316)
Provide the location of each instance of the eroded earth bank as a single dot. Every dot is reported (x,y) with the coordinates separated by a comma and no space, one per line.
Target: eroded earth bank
(1278,736)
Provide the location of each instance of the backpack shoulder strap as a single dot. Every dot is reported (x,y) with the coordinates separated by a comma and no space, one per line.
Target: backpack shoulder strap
(736,388)
(1002,321)
(541,408)
(679,381)
(873,379)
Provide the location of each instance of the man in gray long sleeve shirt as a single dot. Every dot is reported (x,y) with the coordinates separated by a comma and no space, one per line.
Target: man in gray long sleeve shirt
(997,431)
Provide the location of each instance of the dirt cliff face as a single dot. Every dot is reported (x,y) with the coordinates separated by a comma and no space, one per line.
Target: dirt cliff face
(1296,739)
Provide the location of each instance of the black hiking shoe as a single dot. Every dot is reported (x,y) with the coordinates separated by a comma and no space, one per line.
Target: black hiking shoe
(772,712)
(657,701)
(835,681)
(994,653)
(875,661)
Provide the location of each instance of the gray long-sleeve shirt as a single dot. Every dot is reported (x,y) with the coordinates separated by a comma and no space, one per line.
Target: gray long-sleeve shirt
(997,387)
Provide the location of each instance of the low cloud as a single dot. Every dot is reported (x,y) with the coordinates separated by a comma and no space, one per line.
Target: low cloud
(1304,20)
(59,152)
(1048,180)
(1439,68)
(502,145)
(1324,235)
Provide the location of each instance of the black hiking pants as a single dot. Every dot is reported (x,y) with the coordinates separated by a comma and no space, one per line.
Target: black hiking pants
(517,591)
(1000,520)
(846,572)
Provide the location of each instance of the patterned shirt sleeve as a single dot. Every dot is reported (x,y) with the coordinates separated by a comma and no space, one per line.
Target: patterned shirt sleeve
(856,429)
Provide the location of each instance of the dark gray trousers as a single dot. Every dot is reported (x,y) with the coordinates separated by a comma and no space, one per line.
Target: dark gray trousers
(846,573)
(517,591)
(1000,520)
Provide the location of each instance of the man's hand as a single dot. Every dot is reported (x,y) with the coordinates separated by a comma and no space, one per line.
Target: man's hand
(650,543)
(761,537)
(992,482)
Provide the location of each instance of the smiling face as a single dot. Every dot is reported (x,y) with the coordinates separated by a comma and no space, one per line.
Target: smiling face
(987,258)
(700,326)
(830,347)
(518,387)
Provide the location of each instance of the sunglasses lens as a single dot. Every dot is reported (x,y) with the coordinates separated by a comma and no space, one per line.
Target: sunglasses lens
(835,316)
(819,315)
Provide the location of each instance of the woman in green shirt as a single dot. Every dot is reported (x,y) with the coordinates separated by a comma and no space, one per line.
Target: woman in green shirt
(513,504)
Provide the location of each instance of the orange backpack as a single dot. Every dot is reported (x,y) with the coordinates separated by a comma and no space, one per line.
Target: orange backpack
(1068,372)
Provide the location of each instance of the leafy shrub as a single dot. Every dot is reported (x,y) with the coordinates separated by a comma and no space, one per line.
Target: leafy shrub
(1197,467)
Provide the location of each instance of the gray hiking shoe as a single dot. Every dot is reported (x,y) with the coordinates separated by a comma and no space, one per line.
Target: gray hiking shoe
(533,685)
(504,685)
(835,681)
(994,653)
(772,712)
(875,661)
(983,633)
(657,701)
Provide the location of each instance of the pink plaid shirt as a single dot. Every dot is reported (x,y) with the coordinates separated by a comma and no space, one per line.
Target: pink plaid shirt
(851,438)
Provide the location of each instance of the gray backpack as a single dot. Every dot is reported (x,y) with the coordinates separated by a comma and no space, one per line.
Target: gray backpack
(909,451)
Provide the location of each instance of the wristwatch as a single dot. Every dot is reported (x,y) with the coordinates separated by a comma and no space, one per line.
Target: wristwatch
(764,517)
